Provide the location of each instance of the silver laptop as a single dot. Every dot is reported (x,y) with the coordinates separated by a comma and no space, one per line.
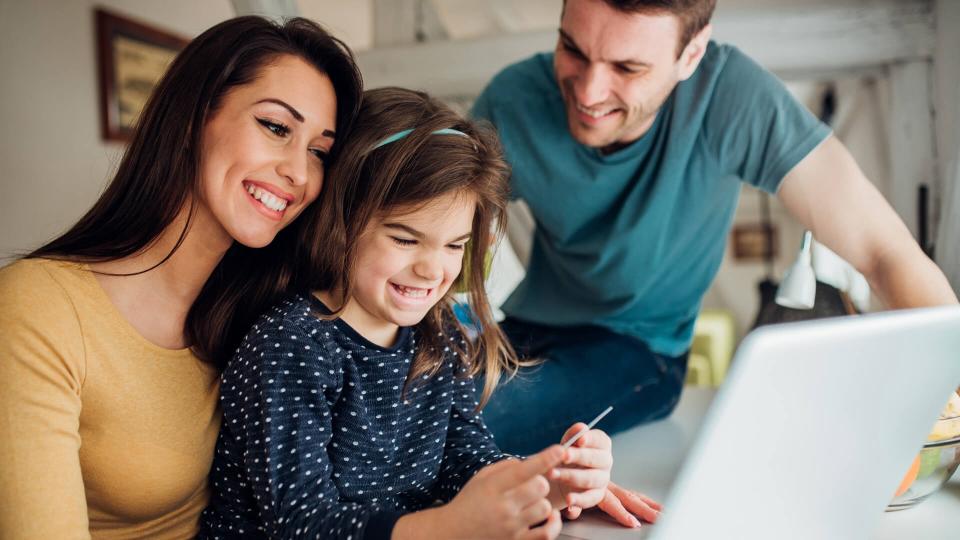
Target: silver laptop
(814,428)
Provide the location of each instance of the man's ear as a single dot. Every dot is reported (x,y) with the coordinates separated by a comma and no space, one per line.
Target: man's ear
(693,52)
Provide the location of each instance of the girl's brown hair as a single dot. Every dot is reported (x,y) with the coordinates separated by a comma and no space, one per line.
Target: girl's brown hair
(368,182)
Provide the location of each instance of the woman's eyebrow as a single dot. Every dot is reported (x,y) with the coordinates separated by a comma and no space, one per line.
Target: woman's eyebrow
(296,114)
(329,133)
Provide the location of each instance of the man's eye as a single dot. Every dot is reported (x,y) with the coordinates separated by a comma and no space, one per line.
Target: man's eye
(572,50)
(403,241)
(276,128)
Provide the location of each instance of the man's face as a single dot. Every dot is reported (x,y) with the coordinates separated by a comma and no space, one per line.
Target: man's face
(615,70)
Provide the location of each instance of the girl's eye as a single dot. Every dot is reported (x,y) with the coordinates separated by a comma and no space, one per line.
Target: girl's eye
(457,247)
(321,154)
(403,241)
(276,128)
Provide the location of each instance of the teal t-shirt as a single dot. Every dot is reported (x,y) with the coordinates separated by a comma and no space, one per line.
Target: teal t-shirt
(631,240)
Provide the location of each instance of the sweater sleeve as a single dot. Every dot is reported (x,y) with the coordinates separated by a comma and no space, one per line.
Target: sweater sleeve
(41,375)
(469,446)
(277,396)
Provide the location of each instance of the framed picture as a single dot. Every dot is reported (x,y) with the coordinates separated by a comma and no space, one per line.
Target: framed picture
(132,57)
(754,242)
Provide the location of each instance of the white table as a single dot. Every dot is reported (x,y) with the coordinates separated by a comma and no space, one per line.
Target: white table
(647,458)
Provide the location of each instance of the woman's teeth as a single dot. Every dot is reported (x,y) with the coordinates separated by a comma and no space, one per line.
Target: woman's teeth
(412,292)
(266,198)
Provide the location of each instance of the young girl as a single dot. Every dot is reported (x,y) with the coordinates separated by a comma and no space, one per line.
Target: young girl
(349,412)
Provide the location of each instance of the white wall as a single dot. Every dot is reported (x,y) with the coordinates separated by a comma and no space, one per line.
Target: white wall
(53,164)
(947,101)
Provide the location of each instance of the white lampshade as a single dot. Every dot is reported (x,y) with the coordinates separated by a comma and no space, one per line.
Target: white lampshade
(798,290)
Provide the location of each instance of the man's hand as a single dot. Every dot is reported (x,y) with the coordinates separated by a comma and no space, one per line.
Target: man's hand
(623,505)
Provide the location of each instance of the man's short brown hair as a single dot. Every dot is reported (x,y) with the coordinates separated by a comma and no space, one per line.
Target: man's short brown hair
(693,14)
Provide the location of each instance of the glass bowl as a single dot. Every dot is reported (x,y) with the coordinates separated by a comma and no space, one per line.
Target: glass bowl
(935,464)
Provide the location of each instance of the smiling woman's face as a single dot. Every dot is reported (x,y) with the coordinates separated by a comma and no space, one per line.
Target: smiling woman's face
(264,151)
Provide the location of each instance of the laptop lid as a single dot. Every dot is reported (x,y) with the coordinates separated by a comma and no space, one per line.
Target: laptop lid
(815,426)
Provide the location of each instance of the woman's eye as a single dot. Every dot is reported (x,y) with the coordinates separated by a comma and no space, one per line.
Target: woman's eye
(276,128)
(403,241)
(321,154)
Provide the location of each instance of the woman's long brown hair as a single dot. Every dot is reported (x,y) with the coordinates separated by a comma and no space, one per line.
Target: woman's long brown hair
(368,183)
(159,172)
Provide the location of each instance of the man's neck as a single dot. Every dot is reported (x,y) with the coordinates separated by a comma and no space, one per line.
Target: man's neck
(630,138)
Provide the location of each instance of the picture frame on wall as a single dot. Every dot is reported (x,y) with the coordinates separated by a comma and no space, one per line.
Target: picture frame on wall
(132,57)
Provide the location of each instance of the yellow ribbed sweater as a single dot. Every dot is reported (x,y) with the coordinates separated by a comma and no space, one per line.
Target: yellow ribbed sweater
(102,433)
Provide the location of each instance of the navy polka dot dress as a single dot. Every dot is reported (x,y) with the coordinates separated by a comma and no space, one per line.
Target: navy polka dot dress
(319,440)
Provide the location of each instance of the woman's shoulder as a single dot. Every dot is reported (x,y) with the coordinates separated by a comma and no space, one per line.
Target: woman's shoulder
(44,274)
(39,321)
(41,287)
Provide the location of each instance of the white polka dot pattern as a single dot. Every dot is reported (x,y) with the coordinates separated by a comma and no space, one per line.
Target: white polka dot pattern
(319,439)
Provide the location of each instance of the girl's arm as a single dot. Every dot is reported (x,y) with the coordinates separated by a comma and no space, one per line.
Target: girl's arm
(506,499)
(469,446)
(277,417)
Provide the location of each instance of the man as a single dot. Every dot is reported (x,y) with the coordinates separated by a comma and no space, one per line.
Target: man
(629,143)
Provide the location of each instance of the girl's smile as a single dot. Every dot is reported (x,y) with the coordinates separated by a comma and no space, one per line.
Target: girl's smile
(406,263)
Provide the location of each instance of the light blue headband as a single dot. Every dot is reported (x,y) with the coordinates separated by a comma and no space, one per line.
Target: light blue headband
(401,134)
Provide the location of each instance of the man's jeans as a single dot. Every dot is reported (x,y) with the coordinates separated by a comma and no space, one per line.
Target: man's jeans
(584,369)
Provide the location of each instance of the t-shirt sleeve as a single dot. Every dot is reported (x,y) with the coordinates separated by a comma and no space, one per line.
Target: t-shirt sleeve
(469,446)
(755,128)
(41,375)
(481,109)
(276,405)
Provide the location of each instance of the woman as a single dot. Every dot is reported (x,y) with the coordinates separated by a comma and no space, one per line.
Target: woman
(111,334)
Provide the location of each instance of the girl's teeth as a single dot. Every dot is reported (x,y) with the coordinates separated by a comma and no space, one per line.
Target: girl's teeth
(407,291)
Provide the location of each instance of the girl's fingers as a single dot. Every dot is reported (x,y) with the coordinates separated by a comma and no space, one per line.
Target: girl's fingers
(594,438)
(589,458)
(517,472)
(581,479)
(585,499)
(528,492)
(611,506)
(549,530)
(573,430)
(631,498)
(535,513)
(572,512)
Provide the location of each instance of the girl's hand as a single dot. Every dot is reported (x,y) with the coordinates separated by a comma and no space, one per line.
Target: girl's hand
(582,480)
(507,499)
(625,506)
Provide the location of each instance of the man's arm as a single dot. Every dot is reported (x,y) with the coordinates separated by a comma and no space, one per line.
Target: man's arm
(829,194)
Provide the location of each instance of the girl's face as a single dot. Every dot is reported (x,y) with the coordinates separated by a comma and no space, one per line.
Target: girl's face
(406,262)
(264,151)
